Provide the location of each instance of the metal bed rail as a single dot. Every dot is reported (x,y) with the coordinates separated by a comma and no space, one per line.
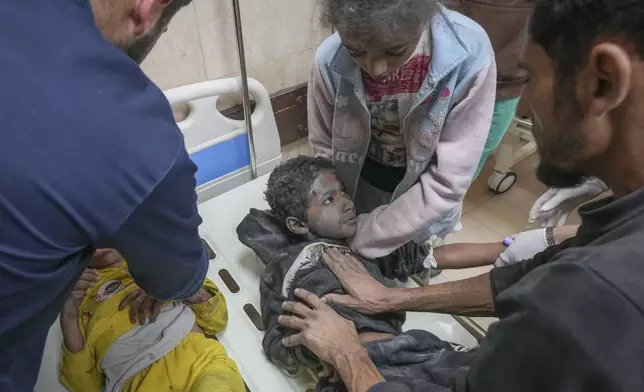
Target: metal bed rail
(244,83)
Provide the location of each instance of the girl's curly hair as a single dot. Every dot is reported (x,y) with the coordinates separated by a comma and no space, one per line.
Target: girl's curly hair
(367,19)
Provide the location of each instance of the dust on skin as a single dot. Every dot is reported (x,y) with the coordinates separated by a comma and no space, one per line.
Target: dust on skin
(331,213)
(382,56)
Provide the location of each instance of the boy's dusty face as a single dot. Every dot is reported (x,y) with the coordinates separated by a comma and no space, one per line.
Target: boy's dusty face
(332,213)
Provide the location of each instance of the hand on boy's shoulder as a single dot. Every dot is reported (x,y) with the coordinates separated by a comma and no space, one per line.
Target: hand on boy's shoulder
(364,292)
(340,248)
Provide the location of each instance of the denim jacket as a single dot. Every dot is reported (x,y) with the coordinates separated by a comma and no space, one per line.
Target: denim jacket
(445,131)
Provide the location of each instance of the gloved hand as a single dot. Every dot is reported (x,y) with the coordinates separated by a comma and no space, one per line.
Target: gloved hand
(524,246)
(555,206)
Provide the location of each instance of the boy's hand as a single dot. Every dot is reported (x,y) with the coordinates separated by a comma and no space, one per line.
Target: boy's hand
(87,281)
(105,258)
(366,294)
(142,306)
(199,298)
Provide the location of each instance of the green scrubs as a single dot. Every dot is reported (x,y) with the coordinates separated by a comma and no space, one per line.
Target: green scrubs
(503,114)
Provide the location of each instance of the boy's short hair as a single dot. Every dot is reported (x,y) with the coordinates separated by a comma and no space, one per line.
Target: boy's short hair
(287,191)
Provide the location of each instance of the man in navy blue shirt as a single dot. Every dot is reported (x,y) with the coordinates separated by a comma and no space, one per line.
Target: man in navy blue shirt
(90,157)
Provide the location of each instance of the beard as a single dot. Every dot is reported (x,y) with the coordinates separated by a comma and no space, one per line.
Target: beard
(139,48)
(562,144)
(142,46)
(553,177)
(561,164)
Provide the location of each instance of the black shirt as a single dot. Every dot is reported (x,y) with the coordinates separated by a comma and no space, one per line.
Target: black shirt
(572,318)
(385,178)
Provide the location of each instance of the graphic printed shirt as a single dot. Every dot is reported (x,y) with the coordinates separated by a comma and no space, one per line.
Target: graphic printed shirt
(389,102)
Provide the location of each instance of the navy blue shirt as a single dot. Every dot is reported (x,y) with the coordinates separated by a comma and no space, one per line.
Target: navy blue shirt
(90,157)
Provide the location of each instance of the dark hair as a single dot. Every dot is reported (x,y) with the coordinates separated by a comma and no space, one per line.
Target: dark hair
(372,18)
(287,191)
(567,30)
(139,49)
(170,11)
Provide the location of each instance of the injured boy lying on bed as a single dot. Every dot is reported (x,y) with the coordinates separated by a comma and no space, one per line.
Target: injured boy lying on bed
(109,347)
(311,212)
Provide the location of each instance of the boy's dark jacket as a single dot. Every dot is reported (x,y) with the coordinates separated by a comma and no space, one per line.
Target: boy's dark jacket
(292,263)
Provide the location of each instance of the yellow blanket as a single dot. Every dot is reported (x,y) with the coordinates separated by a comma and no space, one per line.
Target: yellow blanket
(197,364)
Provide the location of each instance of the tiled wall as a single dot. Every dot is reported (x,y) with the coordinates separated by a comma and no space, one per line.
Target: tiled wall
(280,37)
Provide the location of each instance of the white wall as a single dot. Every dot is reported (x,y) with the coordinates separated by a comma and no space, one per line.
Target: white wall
(280,38)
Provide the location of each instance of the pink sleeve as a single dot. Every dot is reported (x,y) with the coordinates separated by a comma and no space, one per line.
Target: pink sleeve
(441,189)
(320,114)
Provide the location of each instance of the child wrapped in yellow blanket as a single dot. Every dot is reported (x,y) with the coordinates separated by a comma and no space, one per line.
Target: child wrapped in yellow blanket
(116,338)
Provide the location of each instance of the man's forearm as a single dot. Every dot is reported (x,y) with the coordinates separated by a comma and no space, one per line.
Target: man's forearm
(562,233)
(357,370)
(468,297)
(456,256)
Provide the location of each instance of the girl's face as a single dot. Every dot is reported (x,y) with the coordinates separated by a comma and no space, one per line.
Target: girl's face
(380,58)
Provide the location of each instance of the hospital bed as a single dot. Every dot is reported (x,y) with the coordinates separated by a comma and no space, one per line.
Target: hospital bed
(226,193)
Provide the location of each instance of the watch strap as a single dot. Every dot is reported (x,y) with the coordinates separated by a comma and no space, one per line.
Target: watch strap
(550,236)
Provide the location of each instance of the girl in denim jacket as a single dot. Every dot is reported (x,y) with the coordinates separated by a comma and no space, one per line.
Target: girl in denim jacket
(401,99)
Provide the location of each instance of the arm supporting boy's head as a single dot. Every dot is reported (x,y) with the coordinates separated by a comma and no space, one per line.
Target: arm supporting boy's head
(306,194)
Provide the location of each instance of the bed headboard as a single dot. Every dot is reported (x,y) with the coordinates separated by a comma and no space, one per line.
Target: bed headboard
(219,145)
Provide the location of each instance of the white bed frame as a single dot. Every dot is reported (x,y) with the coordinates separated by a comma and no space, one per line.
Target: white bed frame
(207,129)
(223,204)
